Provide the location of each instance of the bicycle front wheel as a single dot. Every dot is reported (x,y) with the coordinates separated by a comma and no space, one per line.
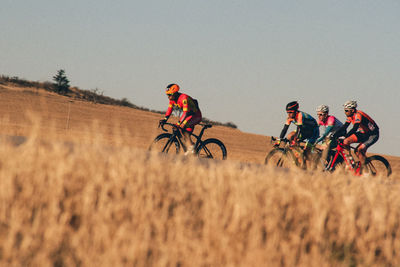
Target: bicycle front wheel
(377,165)
(280,158)
(165,143)
(212,149)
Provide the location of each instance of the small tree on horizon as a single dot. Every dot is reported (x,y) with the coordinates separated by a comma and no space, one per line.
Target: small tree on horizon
(61,82)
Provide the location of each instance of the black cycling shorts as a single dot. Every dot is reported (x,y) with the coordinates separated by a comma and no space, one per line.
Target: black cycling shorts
(368,139)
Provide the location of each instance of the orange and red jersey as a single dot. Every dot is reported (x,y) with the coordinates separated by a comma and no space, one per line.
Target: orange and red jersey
(365,122)
(187,105)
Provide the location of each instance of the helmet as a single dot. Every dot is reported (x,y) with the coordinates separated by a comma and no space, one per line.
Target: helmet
(172,89)
(294,105)
(351,104)
(323,108)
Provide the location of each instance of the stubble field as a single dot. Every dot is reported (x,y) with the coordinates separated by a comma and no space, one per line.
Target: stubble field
(81,190)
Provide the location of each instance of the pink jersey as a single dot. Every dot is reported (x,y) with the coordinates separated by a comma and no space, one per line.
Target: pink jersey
(331,121)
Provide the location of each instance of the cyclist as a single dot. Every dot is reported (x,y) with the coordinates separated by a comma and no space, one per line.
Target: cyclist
(365,131)
(331,124)
(191,112)
(307,127)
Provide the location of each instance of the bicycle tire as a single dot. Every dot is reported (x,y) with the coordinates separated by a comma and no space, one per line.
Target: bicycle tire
(163,143)
(280,158)
(212,149)
(377,165)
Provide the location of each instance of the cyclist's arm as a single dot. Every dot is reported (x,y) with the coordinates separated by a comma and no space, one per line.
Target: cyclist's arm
(182,122)
(169,111)
(327,131)
(353,130)
(284,131)
(185,108)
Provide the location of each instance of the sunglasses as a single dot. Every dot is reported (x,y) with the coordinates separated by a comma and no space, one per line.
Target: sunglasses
(321,114)
(348,110)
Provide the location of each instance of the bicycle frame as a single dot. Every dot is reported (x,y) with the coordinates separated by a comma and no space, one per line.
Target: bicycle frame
(340,150)
(177,133)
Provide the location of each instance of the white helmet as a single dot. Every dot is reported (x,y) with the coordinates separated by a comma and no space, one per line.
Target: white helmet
(323,108)
(351,104)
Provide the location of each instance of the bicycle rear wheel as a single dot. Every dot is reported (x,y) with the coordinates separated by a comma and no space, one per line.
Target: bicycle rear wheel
(212,149)
(165,144)
(377,165)
(280,158)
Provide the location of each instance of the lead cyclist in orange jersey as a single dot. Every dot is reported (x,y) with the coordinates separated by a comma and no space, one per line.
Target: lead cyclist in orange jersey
(191,112)
(365,131)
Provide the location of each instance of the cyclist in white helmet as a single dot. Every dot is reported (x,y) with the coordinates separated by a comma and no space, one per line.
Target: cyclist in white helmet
(365,131)
(331,124)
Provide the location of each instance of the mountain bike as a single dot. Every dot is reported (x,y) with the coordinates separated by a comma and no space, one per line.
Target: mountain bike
(292,154)
(288,155)
(374,165)
(172,143)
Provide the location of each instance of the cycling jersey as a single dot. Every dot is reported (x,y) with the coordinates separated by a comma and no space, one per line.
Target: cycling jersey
(366,124)
(365,131)
(191,113)
(307,126)
(331,124)
(304,119)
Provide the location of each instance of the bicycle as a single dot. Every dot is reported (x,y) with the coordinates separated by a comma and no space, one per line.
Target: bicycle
(171,142)
(374,165)
(286,156)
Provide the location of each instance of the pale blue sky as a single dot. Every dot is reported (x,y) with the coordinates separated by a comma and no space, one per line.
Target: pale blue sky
(243,60)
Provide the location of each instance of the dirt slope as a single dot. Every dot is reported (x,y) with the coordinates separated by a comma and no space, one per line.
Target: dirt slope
(20,107)
(65,117)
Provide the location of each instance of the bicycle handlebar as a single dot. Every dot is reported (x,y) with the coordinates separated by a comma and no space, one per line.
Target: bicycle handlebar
(284,140)
(174,126)
(161,125)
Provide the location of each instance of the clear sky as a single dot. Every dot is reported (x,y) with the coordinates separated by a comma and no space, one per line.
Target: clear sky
(243,60)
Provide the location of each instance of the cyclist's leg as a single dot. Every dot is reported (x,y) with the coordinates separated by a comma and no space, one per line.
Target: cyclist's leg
(350,140)
(311,137)
(366,141)
(327,146)
(291,136)
(192,121)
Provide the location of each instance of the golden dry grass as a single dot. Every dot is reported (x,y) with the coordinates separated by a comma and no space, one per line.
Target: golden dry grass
(91,205)
(90,195)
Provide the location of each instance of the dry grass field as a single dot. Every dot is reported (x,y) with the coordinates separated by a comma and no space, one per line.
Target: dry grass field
(82,190)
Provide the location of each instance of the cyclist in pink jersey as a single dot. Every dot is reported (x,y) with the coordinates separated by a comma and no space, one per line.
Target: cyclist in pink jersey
(332,125)
(191,114)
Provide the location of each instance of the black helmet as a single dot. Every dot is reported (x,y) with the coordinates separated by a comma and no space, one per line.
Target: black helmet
(294,105)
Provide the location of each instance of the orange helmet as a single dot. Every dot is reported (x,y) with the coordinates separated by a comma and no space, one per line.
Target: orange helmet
(172,89)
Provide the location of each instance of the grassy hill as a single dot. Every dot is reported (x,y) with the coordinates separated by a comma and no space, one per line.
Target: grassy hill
(94,96)
(69,117)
